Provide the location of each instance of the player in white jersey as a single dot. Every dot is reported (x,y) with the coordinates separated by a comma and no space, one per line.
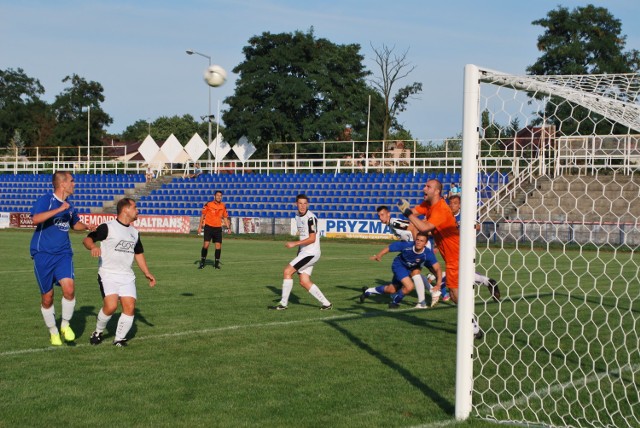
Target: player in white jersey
(308,255)
(119,246)
(401,229)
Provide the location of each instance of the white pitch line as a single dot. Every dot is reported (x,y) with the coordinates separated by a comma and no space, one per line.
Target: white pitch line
(213,330)
(438,424)
(561,387)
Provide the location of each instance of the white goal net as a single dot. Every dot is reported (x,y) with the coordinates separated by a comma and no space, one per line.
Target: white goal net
(557,185)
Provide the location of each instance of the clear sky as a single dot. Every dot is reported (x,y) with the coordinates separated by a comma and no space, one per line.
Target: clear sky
(136,49)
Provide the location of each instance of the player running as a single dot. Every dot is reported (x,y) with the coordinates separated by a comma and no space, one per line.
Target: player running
(308,256)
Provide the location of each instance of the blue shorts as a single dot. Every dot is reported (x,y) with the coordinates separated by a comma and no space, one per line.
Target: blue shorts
(51,268)
(400,272)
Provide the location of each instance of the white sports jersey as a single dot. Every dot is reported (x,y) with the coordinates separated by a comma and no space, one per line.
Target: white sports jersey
(118,249)
(400,229)
(306,225)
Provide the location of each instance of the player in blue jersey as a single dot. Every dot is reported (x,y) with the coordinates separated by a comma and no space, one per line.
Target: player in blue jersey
(405,231)
(406,269)
(52,255)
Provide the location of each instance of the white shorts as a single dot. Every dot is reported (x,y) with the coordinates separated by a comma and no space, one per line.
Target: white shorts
(122,285)
(304,263)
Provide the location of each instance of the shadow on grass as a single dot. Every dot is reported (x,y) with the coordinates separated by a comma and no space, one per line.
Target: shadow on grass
(441,401)
(82,317)
(277,292)
(207,263)
(87,316)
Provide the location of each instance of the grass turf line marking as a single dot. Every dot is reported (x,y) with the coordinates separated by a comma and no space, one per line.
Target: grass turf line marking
(217,330)
(541,393)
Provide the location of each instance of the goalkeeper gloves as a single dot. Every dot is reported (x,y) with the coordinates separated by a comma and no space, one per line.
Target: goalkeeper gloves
(405,208)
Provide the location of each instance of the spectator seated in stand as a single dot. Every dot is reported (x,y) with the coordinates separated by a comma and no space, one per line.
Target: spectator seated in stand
(197,172)
(150,175)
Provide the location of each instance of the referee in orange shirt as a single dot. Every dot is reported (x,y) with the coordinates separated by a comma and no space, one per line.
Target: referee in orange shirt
(214,215)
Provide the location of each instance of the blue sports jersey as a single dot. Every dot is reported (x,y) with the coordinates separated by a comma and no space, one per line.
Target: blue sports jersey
(409,258)
(52,236)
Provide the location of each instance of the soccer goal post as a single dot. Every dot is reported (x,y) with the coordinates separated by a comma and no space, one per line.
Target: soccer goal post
(550,172)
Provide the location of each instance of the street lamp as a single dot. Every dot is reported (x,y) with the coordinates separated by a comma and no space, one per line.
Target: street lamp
(209,116)
(88,139)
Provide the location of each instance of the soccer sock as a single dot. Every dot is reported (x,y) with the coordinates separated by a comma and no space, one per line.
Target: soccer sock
(67,311)
(376,290)
(49,316)
(397,298)
(417,281)
(481,279)
(103,319)
(218,252)
(315,292)
(287,286)
(124,325)
(203,253)
(426,280)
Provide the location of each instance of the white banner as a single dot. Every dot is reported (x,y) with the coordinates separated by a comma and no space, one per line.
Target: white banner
(338,228)
(5,220)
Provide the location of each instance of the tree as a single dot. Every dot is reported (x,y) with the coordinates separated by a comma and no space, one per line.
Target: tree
(295,87)
(586,40)
(392,69)
(183,127)
(21,110)
(71,109)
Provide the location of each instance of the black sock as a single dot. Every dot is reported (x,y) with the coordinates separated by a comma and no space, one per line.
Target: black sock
(203,253)
(218,251)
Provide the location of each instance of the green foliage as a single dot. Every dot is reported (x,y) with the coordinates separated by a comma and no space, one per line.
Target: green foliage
(182,127)
(71,109)
(495,137)
(136,132)
(21,109)
(586,40)
(296,87)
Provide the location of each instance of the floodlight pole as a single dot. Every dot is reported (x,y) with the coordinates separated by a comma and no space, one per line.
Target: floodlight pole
(88,139)
(191,52)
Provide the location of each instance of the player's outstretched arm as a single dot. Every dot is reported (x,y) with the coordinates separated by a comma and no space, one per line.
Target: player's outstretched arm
(378,257)
(80,226)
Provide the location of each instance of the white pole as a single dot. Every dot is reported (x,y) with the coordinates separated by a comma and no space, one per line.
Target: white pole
(88,139)
(209,119)
(470,143)
(366,167)
(217,133)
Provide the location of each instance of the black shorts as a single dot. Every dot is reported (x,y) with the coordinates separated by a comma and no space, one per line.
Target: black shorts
(212,233)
